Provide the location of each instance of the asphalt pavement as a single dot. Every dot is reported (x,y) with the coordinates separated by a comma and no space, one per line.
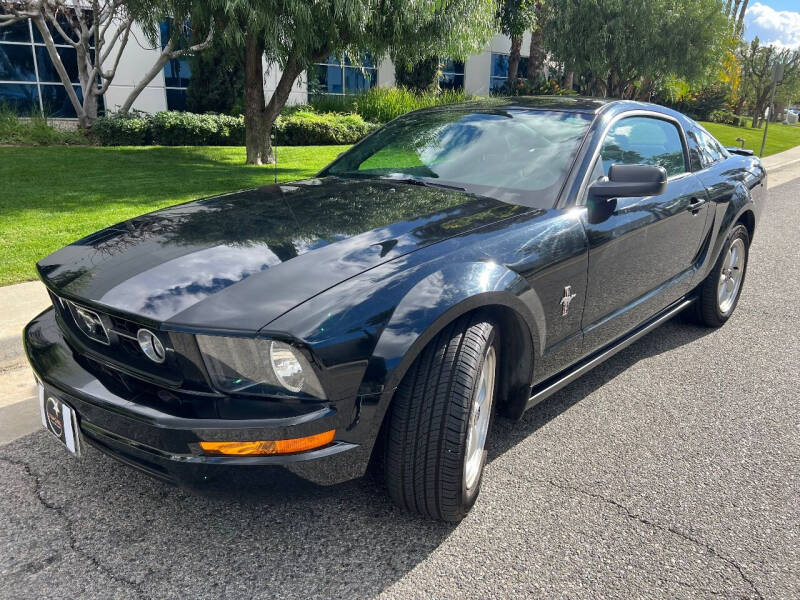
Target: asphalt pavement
(671,471)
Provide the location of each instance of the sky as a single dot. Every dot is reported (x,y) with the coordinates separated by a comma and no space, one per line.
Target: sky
(775,22)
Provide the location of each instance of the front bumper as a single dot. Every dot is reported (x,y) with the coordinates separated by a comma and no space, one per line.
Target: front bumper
(157,430)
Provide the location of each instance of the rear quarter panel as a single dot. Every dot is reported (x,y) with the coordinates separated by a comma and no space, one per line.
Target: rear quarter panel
(735,185)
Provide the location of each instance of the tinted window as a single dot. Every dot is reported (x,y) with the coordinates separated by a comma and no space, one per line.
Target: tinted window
(16,63)
(452,75)
(499,74)
(47,70)
(342,76)
(56,103)
(644,141)
(18,32)
(22,98)
(512,154)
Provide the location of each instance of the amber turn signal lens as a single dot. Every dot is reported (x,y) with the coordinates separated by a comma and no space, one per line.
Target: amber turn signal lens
(268,447)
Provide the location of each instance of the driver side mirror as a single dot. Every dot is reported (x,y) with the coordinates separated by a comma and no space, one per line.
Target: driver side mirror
(627,181)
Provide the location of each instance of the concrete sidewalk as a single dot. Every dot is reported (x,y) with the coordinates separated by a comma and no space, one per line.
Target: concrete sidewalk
(782,159)
(21,302)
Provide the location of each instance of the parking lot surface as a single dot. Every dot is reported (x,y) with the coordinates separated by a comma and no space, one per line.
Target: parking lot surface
(671,471)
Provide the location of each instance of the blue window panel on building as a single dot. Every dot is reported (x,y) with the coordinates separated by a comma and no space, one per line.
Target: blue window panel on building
(18,32)
(177,73)
(16,63)
(176,99)
(56,102)
(356,81)
(499,73)
(335,76)
(329,78)
(22,98)
(452,77)
(57,37)
(450,81)
(47,70)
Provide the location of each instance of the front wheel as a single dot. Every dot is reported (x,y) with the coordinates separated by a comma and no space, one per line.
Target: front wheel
(439,421)
(719,294)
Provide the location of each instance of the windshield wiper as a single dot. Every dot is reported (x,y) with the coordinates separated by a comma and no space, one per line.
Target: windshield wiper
(423,182)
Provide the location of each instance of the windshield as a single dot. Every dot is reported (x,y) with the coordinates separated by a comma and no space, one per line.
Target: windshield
(516,155)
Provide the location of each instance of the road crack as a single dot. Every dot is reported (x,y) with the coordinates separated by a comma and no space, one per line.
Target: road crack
(662,528)
(72,538)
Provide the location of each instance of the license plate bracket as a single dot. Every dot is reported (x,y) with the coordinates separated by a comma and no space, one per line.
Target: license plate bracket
(60,419)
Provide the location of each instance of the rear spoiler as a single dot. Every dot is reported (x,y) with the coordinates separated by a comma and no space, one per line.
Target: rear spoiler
(739,151)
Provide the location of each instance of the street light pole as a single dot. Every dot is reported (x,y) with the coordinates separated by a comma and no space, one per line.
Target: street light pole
(777,75)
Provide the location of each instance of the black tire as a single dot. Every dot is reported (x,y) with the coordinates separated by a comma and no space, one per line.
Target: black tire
(430,414)
(706,309)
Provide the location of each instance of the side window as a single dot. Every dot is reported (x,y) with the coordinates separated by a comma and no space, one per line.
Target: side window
(644,141)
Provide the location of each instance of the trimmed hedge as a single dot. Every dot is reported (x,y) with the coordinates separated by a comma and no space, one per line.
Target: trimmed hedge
(728,118)
(308,128)
(122,131)
(302,127)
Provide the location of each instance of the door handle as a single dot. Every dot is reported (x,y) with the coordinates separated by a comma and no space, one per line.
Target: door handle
(695,204)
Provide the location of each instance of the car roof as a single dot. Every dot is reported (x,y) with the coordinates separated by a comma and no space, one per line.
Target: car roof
(576,104)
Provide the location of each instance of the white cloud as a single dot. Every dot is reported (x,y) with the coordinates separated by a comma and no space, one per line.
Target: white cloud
(779,28)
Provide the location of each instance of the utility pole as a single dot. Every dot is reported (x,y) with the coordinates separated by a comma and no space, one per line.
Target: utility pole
(777,76)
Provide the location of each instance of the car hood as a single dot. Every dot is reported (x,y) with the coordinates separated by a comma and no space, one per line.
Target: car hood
(238,261)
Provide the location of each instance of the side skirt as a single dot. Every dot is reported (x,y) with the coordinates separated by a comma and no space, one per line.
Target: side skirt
(555,383)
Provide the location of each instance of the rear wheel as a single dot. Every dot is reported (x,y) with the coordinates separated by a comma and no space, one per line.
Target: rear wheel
(719,294)
(439,422)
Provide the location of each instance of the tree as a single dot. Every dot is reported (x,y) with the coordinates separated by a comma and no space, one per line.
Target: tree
(624,48)
(217,82)
(759,64)
(537,53)
(514,18)
(99,32)
(295,34)
(421,75)
(736,14)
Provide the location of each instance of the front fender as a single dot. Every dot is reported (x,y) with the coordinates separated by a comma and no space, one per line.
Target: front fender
(442,297)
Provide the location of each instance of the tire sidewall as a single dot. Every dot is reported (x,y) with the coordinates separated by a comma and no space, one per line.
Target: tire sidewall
(470,495)
(740,231)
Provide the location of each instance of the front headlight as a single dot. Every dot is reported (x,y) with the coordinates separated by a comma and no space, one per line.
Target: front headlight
(258,366)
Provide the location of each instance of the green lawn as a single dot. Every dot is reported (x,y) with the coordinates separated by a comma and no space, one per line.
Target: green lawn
(52,196)
(780,137)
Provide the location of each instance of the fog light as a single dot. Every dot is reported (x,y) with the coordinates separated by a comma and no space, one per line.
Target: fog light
(268,447)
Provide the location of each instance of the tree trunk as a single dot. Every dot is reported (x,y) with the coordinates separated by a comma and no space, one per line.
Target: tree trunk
(569,80)
(255,131)
(513,59)
(151,74)
(740,22)
(55,58)
(740,103)
(291,71)
(536,54)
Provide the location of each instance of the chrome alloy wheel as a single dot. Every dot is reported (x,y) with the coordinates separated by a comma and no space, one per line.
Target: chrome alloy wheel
(479,417)
(730,277)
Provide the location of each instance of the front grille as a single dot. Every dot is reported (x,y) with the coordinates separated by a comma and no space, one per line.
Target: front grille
(111,340)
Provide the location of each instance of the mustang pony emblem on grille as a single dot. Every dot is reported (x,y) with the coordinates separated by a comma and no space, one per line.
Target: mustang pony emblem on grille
(568,296)
(89,322)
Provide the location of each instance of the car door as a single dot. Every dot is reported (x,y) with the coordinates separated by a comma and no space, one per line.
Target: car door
(642,250)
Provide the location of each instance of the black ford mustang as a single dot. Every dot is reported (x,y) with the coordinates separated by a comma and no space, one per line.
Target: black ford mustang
(459,262)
